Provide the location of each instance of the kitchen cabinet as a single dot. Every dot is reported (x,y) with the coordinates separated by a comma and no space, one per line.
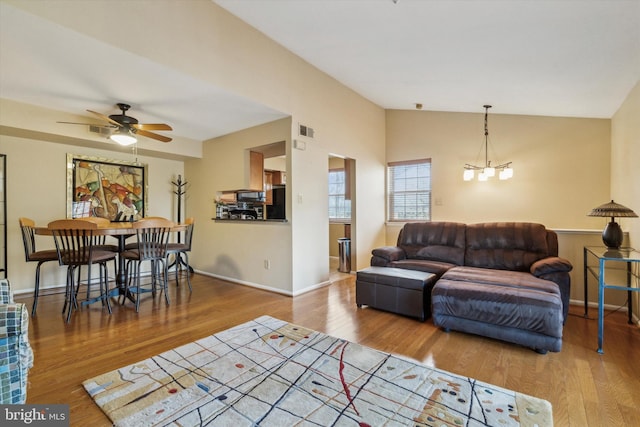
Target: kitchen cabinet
(268,187)
(256,171)
(279,177)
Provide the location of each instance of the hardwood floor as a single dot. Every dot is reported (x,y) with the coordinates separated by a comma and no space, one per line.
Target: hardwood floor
(585,388)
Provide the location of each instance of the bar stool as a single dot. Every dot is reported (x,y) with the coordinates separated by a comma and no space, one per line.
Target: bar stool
(178,249)
(31,254)
(100,243)
(75,247)
(152,238)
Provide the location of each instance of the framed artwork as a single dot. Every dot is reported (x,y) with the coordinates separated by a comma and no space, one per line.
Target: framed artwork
(112,189)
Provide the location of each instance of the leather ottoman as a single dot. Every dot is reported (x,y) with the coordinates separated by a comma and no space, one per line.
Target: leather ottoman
(401,291)
(512,306)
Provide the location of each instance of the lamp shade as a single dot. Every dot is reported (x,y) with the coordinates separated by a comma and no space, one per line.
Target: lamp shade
(613,209)
(612,235)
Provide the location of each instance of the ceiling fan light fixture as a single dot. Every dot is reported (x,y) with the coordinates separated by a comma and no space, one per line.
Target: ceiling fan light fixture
(123,137)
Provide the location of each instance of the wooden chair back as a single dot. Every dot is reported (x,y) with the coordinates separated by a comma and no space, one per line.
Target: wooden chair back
(74,240)
(153,237)
(188,235)
(28,237)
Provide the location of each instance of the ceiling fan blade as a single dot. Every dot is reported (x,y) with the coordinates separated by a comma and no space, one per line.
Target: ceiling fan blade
(89,124)
(152,126)
(106,118)
(152,135)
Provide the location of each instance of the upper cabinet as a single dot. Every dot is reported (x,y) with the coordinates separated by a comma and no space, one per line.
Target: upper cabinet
(256,171)
(277,177)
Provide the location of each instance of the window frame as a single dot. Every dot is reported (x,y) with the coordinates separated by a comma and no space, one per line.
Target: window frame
(344,196)
(390,192)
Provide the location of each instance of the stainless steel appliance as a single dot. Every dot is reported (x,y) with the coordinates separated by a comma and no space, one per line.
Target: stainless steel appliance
(250,196)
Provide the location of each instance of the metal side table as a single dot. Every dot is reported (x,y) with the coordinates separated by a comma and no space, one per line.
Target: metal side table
(604,255)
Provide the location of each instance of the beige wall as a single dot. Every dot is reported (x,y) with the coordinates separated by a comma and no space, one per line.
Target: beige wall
(234,250)
(625,161)
(561,165)
(625,168)
(336,231)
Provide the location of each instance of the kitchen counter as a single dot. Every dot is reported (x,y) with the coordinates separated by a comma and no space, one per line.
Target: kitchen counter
(251,221)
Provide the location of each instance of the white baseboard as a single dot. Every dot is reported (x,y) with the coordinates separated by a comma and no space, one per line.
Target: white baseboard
(591,304)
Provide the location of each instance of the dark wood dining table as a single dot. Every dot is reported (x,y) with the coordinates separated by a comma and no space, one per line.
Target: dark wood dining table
(121,231)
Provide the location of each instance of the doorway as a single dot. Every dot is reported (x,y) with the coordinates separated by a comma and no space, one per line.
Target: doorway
(341,182)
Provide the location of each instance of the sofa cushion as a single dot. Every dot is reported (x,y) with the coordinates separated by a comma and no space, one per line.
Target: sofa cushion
(509,279)
(437,241)
(506,245)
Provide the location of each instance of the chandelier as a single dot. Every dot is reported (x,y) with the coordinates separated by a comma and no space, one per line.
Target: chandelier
(487,171)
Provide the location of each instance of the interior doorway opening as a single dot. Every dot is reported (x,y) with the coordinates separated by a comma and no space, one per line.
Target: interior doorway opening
(341,182)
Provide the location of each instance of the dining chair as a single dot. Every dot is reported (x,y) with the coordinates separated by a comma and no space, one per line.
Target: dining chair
(31,254)
(100,243)
(75,247)
(134,245)
(152,237)
(179,249)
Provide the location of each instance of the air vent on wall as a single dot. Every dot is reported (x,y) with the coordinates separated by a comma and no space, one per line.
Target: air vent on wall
(306,131)
(101,130)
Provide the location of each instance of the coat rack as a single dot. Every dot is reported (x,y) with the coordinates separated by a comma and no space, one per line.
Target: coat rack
(179,192)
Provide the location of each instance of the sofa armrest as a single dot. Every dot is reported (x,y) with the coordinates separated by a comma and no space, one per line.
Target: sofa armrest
(389,253)
(13,321)
(16,353)
(14,328)
(550,265)
(6,297)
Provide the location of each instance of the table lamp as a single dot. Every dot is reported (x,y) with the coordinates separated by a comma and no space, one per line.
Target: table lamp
(612,235)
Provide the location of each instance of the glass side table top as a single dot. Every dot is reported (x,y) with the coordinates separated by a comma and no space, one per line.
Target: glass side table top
(622,254)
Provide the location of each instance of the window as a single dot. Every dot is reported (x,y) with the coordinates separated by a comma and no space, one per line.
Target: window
(339,206)
(409,190)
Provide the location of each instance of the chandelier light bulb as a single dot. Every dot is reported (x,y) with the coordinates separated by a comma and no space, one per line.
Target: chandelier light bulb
(506,173)
(468,174)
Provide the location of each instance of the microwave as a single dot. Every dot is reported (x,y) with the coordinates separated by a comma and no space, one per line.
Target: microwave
(251,196)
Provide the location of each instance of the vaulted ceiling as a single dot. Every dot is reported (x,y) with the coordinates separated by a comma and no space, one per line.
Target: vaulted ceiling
(558,58)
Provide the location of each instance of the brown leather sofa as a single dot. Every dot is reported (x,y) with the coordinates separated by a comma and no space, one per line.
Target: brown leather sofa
(502,280)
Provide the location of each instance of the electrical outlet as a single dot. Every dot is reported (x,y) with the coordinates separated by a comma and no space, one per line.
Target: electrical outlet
(267,264)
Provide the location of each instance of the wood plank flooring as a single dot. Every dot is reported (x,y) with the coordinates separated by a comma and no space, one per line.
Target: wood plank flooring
(585,388)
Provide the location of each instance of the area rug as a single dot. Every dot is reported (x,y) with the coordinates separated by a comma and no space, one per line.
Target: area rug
(268,372)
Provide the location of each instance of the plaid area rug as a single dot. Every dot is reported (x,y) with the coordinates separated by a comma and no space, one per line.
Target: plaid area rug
(268,372)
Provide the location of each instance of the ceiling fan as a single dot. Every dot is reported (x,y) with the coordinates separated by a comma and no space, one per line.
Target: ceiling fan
(127,127)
